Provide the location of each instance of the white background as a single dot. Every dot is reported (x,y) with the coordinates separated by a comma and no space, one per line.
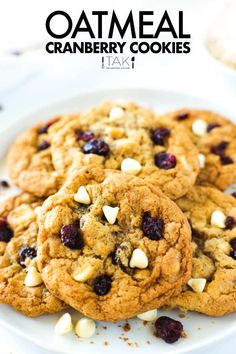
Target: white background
(36,78)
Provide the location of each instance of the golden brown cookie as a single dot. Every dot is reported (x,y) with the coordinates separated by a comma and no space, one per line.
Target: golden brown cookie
(212,288)
(110,243)
(29,161)
(18,235)
(215,138)
(135,142)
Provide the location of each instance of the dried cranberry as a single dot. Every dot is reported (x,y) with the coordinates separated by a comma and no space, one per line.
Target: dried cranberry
(226,160)
(233,194)
(102,285)
(220,148)
(85,136)
(233,243)
(160,135)
(26,252)
(182,116)
(44,129)
(43,145)
(212,126)
(229,222)
(6,232)
(96,146)
(152,227)
(165,160)
(168,329)
(71,236)
(4,184)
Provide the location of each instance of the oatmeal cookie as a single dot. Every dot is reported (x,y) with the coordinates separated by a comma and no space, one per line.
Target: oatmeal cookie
(136,143)
(215,139)
(212,288)
(110,243)
(18,234)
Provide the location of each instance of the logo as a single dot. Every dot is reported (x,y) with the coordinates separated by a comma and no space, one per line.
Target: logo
(117,62)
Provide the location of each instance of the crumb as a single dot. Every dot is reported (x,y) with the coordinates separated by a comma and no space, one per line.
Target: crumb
(129,344)
(183,334)
(136,344)
(145,323)
(97,334)
(127,327)
(119,326)
(104,327)
(182,315)
(148,342)
(106,343)
(125,339)
(91,342)
(1,107)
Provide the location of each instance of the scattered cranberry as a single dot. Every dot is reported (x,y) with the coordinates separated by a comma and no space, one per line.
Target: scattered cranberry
(6,232)
(96,146)
(43,145)
(85,136)
(168,329)
(160,135)
(165,160)
(212,126)
(26,252)
(229,222)
(71,236)
(220,148)
(102,285)
(182,116)
(226,160)
(4,184)
(152,227)
(233,194)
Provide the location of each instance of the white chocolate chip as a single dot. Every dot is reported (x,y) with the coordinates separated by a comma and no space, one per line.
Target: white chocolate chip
(33,278)
(148,316)
(197,284)
(110,213)
(138,259)
(130,166)
(199,127)
(218,219)
(201,160)
(64,324)
(116,113)
(82,196)
(84,274)
(85,328)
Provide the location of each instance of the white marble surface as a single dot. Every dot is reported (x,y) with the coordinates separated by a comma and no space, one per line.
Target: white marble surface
(50,79)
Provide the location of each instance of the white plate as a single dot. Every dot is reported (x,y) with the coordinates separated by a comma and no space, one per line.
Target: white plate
(201,330)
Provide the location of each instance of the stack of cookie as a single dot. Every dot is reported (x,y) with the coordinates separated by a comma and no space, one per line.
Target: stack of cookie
(122,212)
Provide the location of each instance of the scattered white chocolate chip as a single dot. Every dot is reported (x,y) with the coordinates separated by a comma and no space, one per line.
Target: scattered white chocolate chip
(37,210)
(199,127)
(110,213)
(148,316)
(131,166)
(138,259)
(82,196)
(64,324)
(85,328)
(201,160)
(33,278)
(197,284)
(116,113)
(218,219)
(84,274)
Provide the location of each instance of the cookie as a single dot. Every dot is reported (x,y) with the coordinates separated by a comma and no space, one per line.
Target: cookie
(215,138)
(29,160)
(212,288)
(18,235)
(110,243)
(137,144)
